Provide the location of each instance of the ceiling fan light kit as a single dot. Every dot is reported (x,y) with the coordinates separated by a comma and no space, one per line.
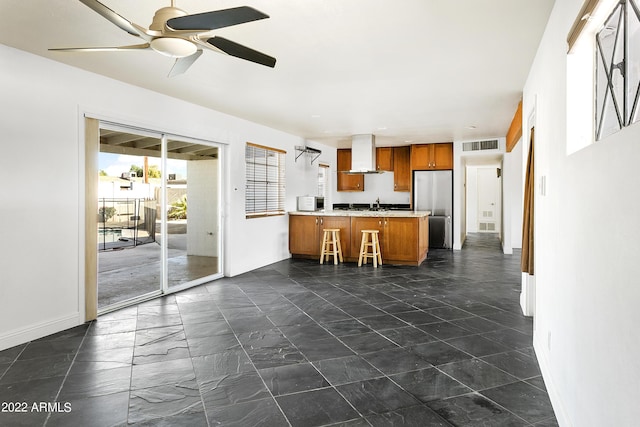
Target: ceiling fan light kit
(176,34)
(173,47)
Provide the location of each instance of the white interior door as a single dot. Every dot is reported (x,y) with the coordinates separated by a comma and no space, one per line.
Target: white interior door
(488,200)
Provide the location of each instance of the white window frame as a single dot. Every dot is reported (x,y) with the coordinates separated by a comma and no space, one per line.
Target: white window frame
(323,180)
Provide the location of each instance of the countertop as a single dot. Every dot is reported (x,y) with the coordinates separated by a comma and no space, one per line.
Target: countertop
(363,213)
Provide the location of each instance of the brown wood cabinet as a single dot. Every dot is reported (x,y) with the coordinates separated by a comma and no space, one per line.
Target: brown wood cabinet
(402,168)
(303,235)
(401,243)
(341,222)
(384,159)
(403,240)
(432,156)
(348,182)
(306,232)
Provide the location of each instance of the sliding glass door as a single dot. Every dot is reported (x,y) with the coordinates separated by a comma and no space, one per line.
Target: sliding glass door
(193,225)
(158,214)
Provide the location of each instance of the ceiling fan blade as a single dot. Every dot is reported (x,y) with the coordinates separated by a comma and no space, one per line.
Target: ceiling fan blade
(240,51)
(113,17)
(216,19)
(182,64)
(102,49)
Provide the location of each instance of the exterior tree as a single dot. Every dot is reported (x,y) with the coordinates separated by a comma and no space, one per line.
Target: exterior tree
(154,172)
(138,170)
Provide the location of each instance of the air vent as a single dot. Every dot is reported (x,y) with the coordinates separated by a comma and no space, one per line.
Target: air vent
(487,226)
(490,144)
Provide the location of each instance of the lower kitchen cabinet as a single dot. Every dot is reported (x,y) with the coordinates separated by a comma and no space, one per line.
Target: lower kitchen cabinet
(403,240)
(341,222)
(407,238)
(306,232)
(400,243)
(303,235)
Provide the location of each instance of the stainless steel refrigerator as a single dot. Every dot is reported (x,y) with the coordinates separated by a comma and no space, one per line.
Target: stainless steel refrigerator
(433,191)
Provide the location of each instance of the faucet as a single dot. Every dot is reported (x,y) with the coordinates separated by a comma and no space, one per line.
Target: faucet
(378,203)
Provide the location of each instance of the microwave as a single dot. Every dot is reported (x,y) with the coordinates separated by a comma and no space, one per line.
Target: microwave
(310,203)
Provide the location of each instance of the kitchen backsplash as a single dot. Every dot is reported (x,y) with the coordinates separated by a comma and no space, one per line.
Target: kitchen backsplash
(375,186)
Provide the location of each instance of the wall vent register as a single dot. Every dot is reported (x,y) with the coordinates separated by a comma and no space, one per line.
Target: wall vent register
(491,144)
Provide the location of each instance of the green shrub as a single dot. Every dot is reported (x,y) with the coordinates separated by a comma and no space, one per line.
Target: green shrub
(178,209)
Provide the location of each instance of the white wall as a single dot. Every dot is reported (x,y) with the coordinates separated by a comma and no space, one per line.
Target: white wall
(459,197)
(472,199)
(42,171)
(512,191)
(586,254)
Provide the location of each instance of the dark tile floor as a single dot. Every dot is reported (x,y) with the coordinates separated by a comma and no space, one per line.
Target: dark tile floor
(301,344)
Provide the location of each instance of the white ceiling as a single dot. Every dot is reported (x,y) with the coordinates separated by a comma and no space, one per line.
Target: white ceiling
(407,71)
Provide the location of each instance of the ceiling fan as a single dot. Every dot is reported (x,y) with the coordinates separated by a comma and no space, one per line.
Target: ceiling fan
(179,35)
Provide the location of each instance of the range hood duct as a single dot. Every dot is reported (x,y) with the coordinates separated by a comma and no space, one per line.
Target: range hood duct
(363,154)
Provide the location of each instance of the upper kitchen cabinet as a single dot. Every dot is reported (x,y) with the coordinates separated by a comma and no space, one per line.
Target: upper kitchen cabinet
(348,182)
(432,156)
(402,168)
(384,158)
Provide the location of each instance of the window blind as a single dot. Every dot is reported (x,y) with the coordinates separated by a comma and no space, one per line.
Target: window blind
(323,175)
(265,174)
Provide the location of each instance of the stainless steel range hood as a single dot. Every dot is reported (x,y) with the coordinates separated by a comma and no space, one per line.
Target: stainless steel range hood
(363,154)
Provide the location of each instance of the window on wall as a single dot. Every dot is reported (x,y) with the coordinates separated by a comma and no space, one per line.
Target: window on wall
(603,71)
(617,47)
(323,179)
(265,174)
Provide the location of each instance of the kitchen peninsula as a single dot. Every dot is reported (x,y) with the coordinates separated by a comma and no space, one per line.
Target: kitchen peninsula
(404,235)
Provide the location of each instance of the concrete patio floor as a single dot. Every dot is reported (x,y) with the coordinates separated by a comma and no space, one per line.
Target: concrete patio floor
(134,271)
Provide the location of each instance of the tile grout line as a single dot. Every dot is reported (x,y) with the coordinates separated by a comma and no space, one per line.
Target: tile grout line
(251,361)
(66,375)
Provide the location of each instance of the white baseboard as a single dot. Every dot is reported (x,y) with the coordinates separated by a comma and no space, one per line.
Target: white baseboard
(458,247)
(552,390)
(33,332)
(528,295)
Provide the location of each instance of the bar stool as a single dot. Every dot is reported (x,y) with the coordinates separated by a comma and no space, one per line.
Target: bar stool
(331,245)
(370,240)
